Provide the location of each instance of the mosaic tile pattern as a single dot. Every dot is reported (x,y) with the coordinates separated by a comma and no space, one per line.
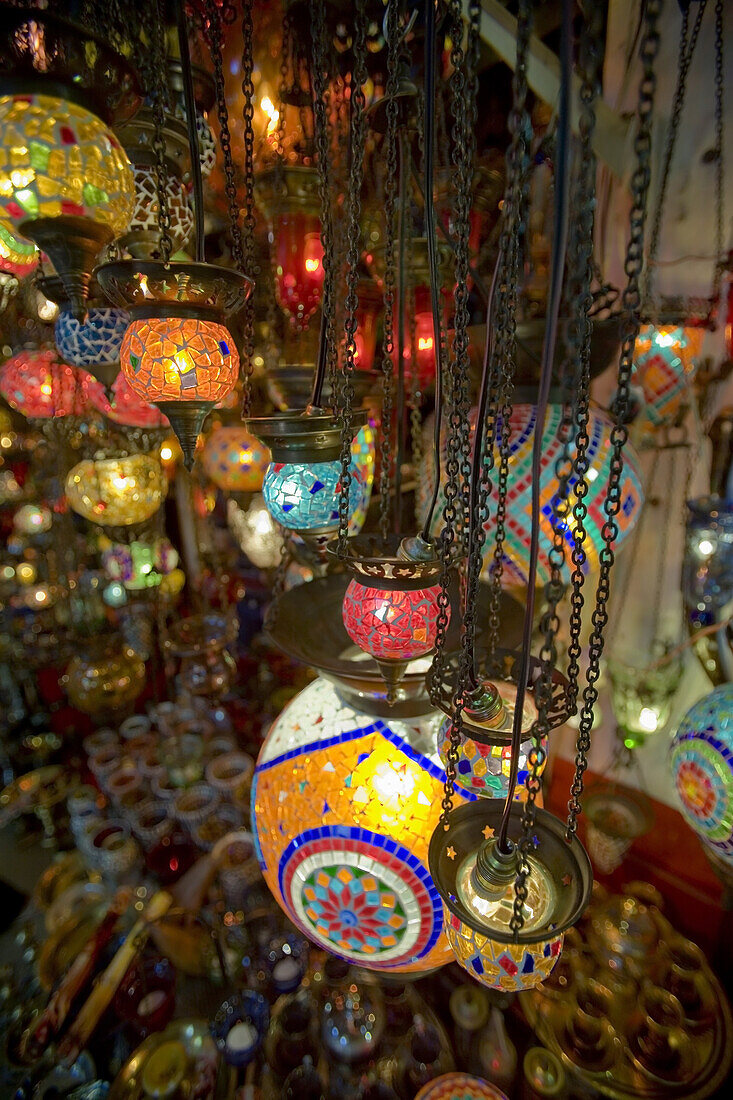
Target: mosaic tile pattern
(665,362)
(336,788)
(59,159)
(140,565)
(95,342)
(38,384)
(459,1086)
(129,409)
(391,624)
(304,498)
(17,256)
(179,359)
(518,526)
(144,217)
(509,968)
(235,460)
(702,766)
(116,492)
(484,769)
(363,459)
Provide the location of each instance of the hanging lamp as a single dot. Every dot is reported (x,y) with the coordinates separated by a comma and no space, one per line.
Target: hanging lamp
(65,182)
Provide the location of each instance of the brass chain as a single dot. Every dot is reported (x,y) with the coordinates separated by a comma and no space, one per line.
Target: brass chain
(160,103)
(248,220)
(631,304)
(215,39)
(325,181)
(390,278)
(356,173)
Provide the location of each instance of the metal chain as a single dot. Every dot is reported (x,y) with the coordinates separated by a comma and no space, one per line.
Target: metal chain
(631,303)
(160,103)
(215,38)
(685,53)
(358,136)
(414,397)
(325,180)
(720,162)
(390,199)
(248,221)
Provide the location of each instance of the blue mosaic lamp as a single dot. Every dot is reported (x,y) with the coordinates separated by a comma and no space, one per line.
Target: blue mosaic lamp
(96,341)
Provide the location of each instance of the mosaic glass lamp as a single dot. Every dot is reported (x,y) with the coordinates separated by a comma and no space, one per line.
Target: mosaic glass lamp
(142,238)
(140,564)
(116,492)
(65,183)
(701,760)
(129,409)
(390,608)
(18,257)
(235,460)
(476,883)
(96,341)
(459,1086)
(106,679)
(665,362)
(516,546)
(343,804)
(38,384)
(256,532)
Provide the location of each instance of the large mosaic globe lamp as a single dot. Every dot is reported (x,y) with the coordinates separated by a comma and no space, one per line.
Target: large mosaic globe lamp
(65,183)
(343,804)
(701,760)
(38,385)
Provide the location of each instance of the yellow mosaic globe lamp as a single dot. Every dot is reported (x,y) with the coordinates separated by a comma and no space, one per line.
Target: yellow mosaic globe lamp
(116,492)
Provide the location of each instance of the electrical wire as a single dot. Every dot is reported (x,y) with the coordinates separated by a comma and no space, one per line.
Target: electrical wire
(559,245)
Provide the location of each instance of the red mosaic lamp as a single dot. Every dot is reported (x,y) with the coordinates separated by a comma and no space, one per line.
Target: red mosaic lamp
(39,385)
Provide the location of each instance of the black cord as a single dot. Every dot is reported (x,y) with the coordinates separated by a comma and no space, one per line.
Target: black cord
(193,137)
(320,376)
(559,244)
(430,47)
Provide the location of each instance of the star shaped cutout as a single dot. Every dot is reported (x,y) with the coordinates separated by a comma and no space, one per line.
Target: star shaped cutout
(487,831)
(567,879)
(451,852)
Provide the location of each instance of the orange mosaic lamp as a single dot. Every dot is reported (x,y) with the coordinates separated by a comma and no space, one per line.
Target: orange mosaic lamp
(178,353)
(235,460)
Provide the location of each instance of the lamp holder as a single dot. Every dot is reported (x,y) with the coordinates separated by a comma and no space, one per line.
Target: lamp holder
(303,436)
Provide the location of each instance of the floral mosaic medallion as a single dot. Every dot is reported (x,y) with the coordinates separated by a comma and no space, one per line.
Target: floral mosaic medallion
(360,895)
(702,767)
(459,1086)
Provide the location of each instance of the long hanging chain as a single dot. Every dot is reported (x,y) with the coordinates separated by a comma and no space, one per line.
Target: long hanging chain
(215,37)
(390,198)
(720,162)
(685,54)
(631,303)
(248,221)
(160,102)
(356,174)
(325,182)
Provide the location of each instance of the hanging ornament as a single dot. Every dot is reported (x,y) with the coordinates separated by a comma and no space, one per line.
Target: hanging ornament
(701,760)
(235,460)
(642,697)
(95,342)
(665,362)
(516,544)
(116,492)
(288,195)
(17,257)
(38,384)
(342,804)
(615,819)
(140,564)
(32,519)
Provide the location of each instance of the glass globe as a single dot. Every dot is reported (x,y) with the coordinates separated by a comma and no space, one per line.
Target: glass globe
(391,624)
(343,804)
(38,384)
(665,362)
(701,760)
(256,532)
(144,220)
(516,545)
(129,409)
(459,1086)
(96,341)
(484,769)
(139,564)
(18,257)
(107,678)
(298,265)
(179,359)
(235,460)
(57,158)
(116,492)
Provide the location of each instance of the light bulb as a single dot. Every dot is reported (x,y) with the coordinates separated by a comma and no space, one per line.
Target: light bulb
(495,913)
(705,547)
(648,719)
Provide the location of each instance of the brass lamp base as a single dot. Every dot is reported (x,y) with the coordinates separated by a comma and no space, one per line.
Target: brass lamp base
(72,245)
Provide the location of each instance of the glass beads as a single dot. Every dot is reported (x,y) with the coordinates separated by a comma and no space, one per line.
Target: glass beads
(391,624)
(57,159)
(235,460)
(97,341)
(116,492)
(343,805)
(179,359)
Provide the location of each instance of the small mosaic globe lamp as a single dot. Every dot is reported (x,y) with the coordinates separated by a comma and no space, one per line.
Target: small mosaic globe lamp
(476,881)
(517,542)
(701,761)
(459,1086)
(142,238)
(106,679)
(17,257)
(343,803)
(95,342)
(140,565)
(129,409)
(235,460)
(665,362)
(116,492)
(390,607)
(38,385)
(65,183)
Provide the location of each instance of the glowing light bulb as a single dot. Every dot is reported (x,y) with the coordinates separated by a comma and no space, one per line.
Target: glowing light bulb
(705,547)
(166,453)
(648,719)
